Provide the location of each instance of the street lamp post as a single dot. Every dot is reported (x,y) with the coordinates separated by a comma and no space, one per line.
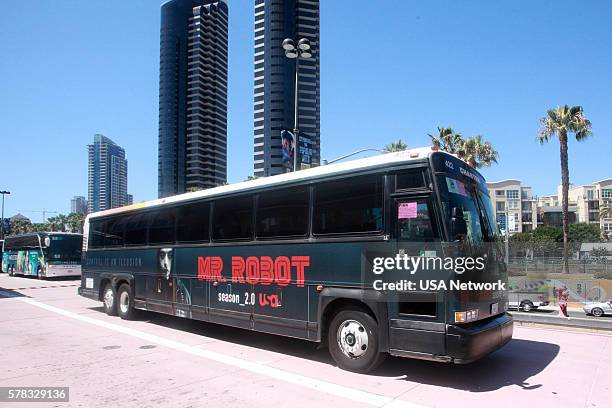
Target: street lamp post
(3,192)
(325,162)
(293,51)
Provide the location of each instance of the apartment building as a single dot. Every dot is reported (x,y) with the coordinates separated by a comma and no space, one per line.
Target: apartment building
(589,200)
(515,206)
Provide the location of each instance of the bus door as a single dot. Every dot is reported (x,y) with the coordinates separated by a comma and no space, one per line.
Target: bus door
(417,316)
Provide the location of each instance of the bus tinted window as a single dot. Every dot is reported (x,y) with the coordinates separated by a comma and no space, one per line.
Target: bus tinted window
(232,218)
(136,230)
(96,234)
(351,205)
(161,229)
(283,213)
(410,179)
(192,222)
(113,232)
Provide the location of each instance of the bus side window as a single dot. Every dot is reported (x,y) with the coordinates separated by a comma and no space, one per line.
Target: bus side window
(96,234)
(161,229)
(192,222)
(136,230)
(410,180)
(232,218)
(283,213)
(414,221)
(350,205)
(113,232)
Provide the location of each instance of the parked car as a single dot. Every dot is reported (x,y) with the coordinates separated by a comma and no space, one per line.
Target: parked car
(527,300)
(598,308)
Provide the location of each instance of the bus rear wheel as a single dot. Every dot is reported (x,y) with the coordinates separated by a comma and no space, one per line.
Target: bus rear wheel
(125,302)
(109,301)
(353,341)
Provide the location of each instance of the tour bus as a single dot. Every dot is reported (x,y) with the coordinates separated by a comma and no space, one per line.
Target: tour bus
(43,254)
(300,254)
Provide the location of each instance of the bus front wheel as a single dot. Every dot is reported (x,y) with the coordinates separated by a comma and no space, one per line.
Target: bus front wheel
(125,302)
(109,301)
(353,341)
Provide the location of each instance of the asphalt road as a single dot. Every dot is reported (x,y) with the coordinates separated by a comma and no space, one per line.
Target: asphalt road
(49,336)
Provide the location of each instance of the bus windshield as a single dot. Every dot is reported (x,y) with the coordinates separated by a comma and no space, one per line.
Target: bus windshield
(476,206)
(64,248)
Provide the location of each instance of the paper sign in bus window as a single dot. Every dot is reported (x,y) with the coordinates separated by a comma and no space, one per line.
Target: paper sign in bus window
(407,211)
(456,187)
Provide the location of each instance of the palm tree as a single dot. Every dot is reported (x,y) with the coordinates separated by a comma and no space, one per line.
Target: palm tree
(473,150)
(395,146)
(447,140)
(477,153)
(563,121)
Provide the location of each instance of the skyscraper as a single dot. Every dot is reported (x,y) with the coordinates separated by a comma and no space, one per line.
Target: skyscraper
(192,96)
(274,101)
(107,178)
(78,205)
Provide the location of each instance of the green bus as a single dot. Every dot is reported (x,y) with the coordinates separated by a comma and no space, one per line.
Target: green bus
(43,254)
(320,255)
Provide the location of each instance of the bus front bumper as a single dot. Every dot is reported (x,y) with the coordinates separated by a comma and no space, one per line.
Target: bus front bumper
(88,293)
(469,343)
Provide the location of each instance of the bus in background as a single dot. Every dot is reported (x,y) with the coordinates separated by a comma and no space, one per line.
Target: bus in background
(299,255)
(43,254)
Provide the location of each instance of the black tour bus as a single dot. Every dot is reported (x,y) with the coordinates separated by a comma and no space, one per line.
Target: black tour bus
(299,255)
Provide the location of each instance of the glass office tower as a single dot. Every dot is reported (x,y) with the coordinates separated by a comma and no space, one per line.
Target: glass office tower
(192,96)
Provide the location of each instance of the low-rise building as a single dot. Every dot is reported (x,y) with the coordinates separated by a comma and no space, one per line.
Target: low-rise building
(588,200)
(514,204)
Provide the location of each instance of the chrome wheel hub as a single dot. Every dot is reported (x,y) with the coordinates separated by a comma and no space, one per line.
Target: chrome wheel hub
(124,302)
(109,298)
(352,338)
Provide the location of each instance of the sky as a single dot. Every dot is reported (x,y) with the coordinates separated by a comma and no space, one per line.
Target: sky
(390,69)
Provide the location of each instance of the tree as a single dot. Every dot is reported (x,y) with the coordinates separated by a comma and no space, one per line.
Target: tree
(395,146)
(584,232)
(447,140)
(478,153)
(562,122)
(74,222)
(473,150)
(600,254)
(20,227)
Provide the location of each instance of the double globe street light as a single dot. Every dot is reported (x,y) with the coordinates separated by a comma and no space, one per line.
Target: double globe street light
(296,51)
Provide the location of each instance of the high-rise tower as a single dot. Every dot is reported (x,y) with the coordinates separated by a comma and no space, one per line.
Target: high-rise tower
(107,175)
(192,96)
(274,101)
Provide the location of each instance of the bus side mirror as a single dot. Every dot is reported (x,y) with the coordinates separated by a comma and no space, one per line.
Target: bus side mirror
(458,224)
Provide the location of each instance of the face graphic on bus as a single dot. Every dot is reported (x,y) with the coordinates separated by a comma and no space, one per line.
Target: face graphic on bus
(165,261)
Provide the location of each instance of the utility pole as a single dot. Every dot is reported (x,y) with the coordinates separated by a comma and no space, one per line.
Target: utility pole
(3,192)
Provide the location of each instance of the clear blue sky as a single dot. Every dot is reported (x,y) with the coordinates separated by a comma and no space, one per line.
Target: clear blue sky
(389,70)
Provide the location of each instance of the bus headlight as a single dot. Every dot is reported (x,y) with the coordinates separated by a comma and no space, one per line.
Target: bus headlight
(464,317)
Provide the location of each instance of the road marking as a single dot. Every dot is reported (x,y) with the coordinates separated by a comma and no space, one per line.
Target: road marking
(286,376)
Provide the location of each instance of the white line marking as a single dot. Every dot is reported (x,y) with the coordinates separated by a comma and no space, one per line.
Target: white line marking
(286,376)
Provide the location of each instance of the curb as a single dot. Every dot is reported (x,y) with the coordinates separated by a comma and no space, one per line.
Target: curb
(604,324)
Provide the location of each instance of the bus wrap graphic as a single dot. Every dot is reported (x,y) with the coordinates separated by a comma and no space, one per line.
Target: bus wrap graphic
(263,270)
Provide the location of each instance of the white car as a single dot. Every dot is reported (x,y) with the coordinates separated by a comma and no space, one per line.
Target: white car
(598,308)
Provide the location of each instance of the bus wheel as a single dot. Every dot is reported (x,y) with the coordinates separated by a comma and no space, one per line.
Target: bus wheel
(353,341)
(125,305)
(109,300)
